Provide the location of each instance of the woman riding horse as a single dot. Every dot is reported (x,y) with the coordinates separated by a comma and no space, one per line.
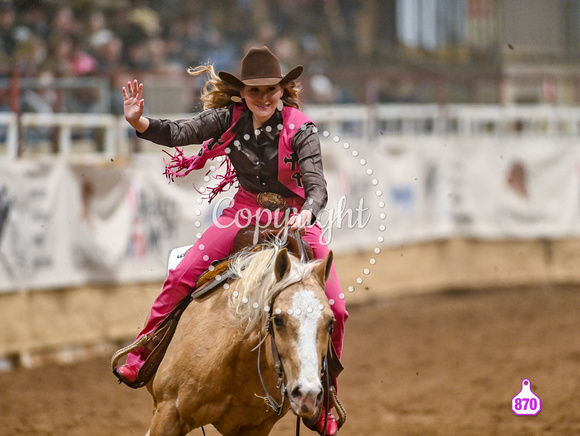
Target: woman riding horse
(255,122)
(261,337)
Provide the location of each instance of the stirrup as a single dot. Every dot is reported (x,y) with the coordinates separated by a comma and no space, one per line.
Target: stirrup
(338,407)
(156,342)
(123,352)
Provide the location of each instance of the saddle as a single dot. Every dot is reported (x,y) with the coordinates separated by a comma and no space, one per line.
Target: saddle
(157,342)
(244,241)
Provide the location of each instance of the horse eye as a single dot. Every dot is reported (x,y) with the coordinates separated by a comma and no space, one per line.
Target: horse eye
(278,321)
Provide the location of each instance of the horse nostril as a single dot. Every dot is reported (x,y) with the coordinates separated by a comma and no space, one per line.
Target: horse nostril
(319,398)
(296,393)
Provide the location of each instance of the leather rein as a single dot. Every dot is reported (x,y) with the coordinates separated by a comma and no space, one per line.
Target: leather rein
(280,384)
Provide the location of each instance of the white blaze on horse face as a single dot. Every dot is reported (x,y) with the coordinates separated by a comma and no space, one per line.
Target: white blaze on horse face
(306,308)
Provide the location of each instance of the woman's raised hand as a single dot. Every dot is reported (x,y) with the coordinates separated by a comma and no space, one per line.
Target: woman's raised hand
(134,105)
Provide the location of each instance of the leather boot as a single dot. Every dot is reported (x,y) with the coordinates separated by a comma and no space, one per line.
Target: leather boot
(331,423)
(129,372)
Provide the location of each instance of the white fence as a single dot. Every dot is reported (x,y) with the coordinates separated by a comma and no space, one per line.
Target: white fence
(370,125)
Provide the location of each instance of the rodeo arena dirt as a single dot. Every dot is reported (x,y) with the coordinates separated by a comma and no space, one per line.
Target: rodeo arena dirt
(445,363)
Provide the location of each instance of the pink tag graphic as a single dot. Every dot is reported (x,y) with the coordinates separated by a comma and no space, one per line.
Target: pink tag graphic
(526,402)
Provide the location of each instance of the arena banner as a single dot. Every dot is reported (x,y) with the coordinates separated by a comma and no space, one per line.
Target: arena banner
(517,189)
(415,183)
(351,219)
(38,216)
(66,224)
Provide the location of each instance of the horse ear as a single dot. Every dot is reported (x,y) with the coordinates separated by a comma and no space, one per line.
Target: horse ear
(322,270)
(282,265)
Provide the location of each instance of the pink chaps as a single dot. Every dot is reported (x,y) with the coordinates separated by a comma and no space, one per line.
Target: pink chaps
(217,243)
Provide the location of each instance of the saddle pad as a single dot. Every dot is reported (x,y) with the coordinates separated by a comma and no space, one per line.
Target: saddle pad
(217,267)
(176,255)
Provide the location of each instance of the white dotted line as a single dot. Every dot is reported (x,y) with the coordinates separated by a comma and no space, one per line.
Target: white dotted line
(381,204)
(347,146)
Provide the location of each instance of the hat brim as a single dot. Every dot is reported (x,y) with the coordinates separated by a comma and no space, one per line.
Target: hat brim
(261,81)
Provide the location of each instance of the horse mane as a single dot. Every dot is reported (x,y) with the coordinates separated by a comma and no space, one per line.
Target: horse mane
(256,282)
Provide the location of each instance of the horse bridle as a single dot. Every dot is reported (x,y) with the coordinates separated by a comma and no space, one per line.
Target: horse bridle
(271,401)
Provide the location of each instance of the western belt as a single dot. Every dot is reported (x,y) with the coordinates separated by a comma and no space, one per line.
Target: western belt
(271,200)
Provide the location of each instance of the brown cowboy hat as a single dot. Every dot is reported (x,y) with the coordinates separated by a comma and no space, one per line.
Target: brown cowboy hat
(260,68)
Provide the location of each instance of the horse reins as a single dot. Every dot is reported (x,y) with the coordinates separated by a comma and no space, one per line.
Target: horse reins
(277,407)
(271,401)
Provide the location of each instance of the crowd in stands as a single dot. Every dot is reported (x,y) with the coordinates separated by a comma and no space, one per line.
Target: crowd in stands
(117,39)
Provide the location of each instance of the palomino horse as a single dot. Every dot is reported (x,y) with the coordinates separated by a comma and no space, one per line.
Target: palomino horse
(219,368)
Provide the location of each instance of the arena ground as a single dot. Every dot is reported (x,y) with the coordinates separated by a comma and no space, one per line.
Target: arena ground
(438,364)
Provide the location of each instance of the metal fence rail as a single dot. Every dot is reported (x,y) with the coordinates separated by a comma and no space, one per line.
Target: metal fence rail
(370,125)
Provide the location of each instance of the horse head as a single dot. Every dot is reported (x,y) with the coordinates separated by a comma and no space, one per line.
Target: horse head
(301,324)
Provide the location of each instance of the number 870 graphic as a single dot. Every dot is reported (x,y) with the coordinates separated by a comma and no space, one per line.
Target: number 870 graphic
(526,402)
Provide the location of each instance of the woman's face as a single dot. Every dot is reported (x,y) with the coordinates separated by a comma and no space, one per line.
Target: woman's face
(262,101)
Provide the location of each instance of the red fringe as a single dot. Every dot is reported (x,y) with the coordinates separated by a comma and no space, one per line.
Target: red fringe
(181,165)
(227,180)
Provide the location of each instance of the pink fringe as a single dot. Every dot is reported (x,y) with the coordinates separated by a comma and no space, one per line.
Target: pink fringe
(227,180)
(181,165)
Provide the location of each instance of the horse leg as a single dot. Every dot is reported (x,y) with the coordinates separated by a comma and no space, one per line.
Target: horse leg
(165,421)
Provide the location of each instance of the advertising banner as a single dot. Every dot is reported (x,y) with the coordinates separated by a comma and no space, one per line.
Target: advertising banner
(66,224)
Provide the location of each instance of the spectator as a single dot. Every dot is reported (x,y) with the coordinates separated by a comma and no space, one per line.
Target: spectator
(44,100)
(108,51)
(64,23)
(7,37)
(159,63)
(29,55)
(34,21)
(322,91)
(82,62)
(146,19)
(97,31)
(192,42)
(59,59)
(153,36)
(221,52)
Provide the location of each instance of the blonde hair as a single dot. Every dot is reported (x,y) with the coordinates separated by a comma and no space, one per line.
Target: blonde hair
(217,94)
